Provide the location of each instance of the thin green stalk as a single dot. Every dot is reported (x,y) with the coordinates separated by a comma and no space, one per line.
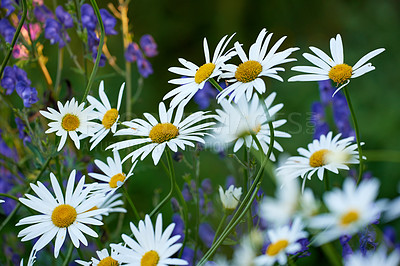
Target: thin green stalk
(215,84)
(26,192)
(80,253)
(57,87)
(326,180)
(69,254)
(246,184)
(9,196)
(353,116)
(135,212)
(14,40)
(99,49)
(221,223)
(331,254)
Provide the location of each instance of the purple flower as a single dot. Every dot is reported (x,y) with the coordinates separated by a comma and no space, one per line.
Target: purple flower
(175,205)
(5,186)
(344,241)
(177,156)
(132,52)
(6,30)
(318,120)
(109,22)
(188,255)
(148,45)
(207,186)
(42,13)
(179,228)
(186,192)
(341,113)
(64,17)
(21,128)
(7,4)
(325,91)
(89,19)
(206,234)
(9,80)
(203,96)
(389,237)
(53,31)
(230,180)
(28,94)
(304,251)
(103,58)
(367,241)
(144,67)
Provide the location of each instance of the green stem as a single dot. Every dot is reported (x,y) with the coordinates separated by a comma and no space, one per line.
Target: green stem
(9,196)
(215,84)
(353,116)
(326,180)
(135,212)
(69,254)
(221,223)
(59,70)
(26,192)
(99,49)
(331,254)
(14,40)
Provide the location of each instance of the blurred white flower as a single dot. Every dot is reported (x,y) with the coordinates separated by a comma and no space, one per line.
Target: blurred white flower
(230,198)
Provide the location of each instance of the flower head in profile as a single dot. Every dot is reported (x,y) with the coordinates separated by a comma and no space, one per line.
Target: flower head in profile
(151,247)
(110,203)
(113,176)
(156,136)
(105,259)
(195,77)
(109,116)
(334,68)
(350,210)
(237,123)
(71,119)
(259,63)
(70,212)
(327,153)
(283,241)
(230,197)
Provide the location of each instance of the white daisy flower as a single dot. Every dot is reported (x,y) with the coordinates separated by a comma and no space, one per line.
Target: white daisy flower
(335,69)
(1,201)
(152,245)
(109,116)
(157,135)
(59,214)
(195,77)
(238,121)
(105,259)
(230,198)
(350,210)
(327,153)
(71,119)
(113,176)
(248,248)
(109,204)
(283,242)
(247,76)
(378,257)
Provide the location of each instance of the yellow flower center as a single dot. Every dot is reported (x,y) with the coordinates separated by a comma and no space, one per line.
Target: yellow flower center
(248,71)
(254,130)
(340,73)
(204,72)
(108,261)
(70,122)
(109,118)
(114,180)
(318,158)
(274,248)
(349,217)
(150,258)
(163,132)
(63,215)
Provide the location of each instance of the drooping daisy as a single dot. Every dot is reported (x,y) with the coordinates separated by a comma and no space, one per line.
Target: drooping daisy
(71,119)
(247,76)
(238,121)
(195,77)
(230,198)
(283,242)
(109,116)
(113,176)
(335,69)
(110,203)
(157,135)
(350,210)
(372,258)
(105,259)
(327,153)
(60,214)
(152,246)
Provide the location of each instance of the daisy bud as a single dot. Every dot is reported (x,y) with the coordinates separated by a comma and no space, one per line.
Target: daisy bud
(230,198)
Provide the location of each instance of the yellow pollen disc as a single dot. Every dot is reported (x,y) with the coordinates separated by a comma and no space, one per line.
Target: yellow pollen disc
(340,73)
(204,72)
(274,248)
(163,132)
(109,118)
(317,159)
(70,122)
(63,215)
(257,129)
(114,180)
(248,71)
(150,258)
(108,261)
(349,217)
